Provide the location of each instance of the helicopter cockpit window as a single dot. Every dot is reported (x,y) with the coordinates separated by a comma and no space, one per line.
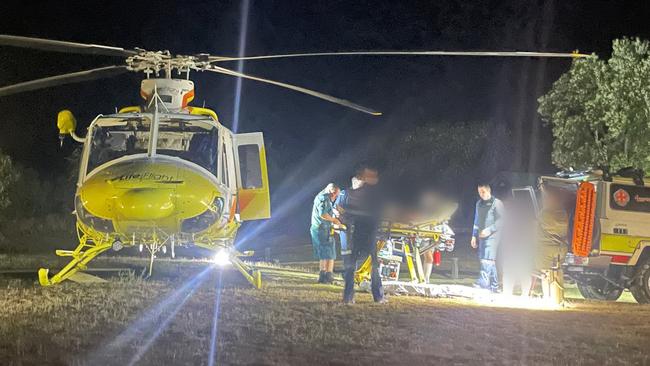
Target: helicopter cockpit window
(194,141)
(113,138)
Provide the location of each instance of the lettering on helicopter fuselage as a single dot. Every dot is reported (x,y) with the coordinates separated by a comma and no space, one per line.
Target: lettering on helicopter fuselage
(148,177)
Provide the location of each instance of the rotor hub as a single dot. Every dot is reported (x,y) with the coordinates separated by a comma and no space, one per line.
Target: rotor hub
(154,62)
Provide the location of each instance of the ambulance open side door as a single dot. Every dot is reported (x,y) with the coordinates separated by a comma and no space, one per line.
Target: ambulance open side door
(254,200)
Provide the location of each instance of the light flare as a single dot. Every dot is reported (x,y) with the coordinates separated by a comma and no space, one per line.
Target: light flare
(215,321)
(243,31)
(148,325)
(221,258)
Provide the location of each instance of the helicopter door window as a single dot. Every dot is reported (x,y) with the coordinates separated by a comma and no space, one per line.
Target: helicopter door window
(249,164)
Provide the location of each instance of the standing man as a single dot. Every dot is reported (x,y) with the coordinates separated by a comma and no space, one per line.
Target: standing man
(322,218)
(485,236)
(362,214)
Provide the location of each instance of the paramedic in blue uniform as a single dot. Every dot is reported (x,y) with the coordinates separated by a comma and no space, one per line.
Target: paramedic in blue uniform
(322,218)
(361,216)
(486,234)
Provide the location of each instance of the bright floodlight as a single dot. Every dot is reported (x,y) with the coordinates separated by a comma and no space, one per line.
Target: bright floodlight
(221,257)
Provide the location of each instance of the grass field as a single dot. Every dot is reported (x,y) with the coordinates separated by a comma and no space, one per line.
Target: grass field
(170,319)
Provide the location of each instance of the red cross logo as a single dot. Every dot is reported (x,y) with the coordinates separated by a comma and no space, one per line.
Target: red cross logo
(621,197)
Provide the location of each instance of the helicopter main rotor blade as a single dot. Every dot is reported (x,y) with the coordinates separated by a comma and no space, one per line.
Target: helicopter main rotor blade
(407,53)
(300,89)
(75,77)
(63,46)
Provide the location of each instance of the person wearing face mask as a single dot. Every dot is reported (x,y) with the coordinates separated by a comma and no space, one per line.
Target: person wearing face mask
(322,219)
(485,236)
(362,211)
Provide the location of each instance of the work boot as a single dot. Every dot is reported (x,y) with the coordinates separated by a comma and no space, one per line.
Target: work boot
(329,279)
(321,277)
(382,301)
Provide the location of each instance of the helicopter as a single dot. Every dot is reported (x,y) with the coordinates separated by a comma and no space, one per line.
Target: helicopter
(166,173)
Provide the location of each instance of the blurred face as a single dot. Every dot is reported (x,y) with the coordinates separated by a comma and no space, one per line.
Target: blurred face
(335,194)
(370,177)
(485,193)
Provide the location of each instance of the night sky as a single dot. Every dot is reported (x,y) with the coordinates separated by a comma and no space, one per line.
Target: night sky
(306,136)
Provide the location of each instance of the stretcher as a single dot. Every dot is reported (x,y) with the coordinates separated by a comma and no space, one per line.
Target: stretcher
(399,242)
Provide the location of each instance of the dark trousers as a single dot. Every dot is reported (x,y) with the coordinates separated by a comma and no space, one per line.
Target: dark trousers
(487,253)
(363,245)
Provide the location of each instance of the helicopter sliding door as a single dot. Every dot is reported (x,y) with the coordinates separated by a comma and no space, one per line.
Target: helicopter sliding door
(252,178)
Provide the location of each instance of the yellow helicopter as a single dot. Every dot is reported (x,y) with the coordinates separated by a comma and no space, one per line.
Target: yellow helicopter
(167,173)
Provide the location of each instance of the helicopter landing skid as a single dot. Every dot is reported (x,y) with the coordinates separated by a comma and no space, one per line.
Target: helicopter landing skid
(233,256)
(85,252)
(254,276)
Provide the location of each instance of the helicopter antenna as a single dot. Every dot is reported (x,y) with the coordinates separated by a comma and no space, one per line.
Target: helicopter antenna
(156,101)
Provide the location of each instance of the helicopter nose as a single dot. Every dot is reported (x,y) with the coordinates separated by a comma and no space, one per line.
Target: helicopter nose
(145,204)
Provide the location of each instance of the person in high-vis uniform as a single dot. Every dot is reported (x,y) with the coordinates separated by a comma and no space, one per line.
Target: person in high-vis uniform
(552,243)
(485,236)
(322,218)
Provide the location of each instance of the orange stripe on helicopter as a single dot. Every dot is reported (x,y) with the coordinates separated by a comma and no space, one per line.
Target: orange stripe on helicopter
(245,199)
(188,97)
(233,208)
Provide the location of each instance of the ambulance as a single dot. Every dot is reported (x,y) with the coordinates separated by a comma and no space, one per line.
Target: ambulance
(609,235)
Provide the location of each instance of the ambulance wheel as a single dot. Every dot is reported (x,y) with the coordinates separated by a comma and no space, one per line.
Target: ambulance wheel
(640,289)
(599,290)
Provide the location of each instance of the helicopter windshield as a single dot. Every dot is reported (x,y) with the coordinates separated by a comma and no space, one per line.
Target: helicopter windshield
(195,141)
(191,140)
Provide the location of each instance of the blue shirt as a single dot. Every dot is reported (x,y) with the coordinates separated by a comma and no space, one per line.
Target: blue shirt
(322,205)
